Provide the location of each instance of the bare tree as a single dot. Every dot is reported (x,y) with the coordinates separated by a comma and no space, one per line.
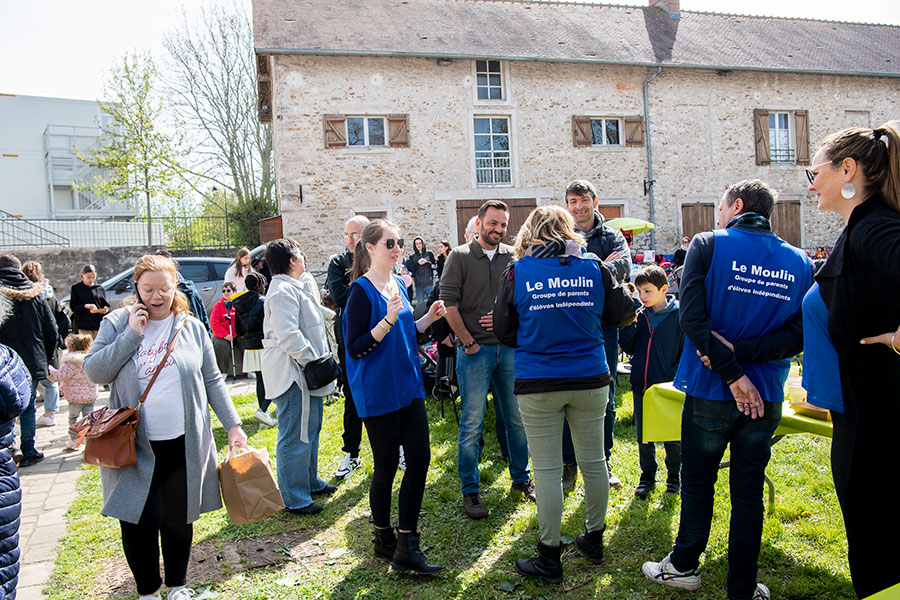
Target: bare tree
(213,87)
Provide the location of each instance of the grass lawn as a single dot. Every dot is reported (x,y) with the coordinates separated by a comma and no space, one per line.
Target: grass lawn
(330,555)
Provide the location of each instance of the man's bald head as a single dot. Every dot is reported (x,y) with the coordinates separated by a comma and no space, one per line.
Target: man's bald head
(353,229)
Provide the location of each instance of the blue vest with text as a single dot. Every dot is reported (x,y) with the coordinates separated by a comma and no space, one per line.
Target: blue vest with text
(755,285)
(559,307)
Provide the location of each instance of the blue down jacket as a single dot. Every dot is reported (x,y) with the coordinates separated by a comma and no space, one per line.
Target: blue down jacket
(15,392)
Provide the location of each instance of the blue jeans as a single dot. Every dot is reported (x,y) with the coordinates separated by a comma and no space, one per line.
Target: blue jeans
(707,427)
(27,424)
(422,293)
(297,462)
(51,395)
(611,345)
(492,366)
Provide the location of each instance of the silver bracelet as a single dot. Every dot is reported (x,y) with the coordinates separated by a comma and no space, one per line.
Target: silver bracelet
(386,329)
(893,347)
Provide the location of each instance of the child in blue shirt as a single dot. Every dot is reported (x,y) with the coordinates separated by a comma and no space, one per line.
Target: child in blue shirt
(655,340)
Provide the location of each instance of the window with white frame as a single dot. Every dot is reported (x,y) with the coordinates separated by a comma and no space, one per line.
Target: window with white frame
(780,147)
(492,152)
(606,132)
(365,131)
(489,79)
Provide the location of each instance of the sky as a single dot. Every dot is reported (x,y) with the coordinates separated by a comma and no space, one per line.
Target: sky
(62,48)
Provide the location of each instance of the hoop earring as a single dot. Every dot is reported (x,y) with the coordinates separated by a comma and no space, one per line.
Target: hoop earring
(848,191)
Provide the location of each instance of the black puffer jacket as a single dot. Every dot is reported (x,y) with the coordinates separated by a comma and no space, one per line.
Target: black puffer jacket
(423,275)
(15,392)
(248,309)
(31,329)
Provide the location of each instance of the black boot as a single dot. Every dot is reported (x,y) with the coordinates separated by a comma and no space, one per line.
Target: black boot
(385,543)
(408,556)
(545,565)
(590,544)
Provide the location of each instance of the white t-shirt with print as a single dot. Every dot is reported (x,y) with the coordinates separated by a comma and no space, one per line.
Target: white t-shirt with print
(163,411)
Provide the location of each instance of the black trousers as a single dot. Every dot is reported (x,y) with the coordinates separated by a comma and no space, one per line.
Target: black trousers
(352,436)
(164,520)
(407,427)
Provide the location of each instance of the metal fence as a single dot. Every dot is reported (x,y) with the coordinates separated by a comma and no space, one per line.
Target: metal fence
(16,232)
(198,233)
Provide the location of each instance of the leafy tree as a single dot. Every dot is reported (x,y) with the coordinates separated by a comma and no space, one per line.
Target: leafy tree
(135,157)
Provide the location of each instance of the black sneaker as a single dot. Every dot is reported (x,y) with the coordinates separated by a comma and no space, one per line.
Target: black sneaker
(310,509)
(644,488)
(31,459)
(473,506)
(673,487)
(328,490)
(527,489)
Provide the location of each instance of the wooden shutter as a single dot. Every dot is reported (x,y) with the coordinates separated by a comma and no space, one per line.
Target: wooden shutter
(761,133)
(634,131)
(335,131)
(581,131)
(801,131)
(697,218)
(786,221)
(398,131)
(264,88)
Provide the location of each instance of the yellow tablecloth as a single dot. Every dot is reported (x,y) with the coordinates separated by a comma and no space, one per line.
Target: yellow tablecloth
(662,417)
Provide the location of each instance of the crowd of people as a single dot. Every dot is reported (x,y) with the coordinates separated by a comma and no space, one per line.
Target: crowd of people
(536,326)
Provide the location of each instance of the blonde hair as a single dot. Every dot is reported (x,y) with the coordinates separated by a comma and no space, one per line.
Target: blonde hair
(546,225)
(78,342)
(33,271)
(154,263)
(876,151)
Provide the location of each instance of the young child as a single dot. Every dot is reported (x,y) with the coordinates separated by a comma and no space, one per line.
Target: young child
(78,391)
(655,340)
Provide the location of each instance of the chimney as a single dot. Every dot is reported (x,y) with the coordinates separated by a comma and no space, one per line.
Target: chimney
(671,7)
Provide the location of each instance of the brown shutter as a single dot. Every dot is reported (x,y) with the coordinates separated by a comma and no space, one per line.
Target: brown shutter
(761,133)
(581,131)
(264,88)
(634,131)
(801,130)
(335,131)
(398,131)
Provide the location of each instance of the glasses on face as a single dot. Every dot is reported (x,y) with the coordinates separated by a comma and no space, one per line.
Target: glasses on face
(148,292)
(351,236)
(389,243)
(811,172)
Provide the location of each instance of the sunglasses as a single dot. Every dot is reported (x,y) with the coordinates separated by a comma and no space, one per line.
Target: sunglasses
(811,174)
(389,243)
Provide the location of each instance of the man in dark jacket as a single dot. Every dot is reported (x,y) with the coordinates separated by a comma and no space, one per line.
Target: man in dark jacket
(338,285)
(31,332)
(741,295)
(610,246)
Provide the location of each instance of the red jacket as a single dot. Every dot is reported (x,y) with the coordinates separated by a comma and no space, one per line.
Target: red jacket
(222,320)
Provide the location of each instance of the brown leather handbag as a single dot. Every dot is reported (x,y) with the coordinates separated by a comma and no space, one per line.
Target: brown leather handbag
(110,431)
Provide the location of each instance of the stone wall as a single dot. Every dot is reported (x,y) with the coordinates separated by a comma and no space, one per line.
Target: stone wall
(63,265)
(701,123)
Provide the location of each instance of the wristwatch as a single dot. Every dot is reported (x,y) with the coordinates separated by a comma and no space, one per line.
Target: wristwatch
(469,345)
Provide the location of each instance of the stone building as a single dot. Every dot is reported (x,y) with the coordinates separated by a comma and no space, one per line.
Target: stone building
(420,110)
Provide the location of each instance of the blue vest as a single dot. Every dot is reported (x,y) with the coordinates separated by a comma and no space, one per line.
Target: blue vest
(559,307)
(389,377)
(821,372)
(755,285)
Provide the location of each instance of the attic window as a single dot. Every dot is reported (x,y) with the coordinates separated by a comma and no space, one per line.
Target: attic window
(489,77)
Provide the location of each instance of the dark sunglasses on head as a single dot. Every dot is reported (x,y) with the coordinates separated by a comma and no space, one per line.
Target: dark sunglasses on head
(389,243)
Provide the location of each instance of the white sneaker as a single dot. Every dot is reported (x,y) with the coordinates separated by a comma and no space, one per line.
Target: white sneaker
(762,593)
(663,572)
(71,445)
(402,464)
(347,466)
(265,418)
(180,593)
(45,421)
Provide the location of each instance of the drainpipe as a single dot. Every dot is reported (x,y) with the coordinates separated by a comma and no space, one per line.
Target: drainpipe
(650,182)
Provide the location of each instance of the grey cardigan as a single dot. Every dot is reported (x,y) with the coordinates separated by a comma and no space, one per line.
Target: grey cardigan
(109,361)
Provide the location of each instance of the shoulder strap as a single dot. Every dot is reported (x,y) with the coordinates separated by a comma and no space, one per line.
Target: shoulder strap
(163,362)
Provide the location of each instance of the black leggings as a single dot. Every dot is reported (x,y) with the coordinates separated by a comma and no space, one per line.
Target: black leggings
(407,427)
(261,393)
(164,519)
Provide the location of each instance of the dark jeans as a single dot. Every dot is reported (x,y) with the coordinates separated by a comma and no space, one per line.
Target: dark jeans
(407,427)
(164,520)
(352,435)
(707,427)
(261,393)
(611,345)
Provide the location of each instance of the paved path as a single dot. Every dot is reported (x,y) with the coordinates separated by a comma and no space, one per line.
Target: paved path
(48,488)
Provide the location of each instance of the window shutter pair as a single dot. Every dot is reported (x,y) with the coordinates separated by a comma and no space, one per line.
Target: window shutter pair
(761,134)
(336,131)
(582,136)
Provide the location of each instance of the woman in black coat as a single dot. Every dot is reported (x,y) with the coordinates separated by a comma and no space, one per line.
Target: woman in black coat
(421,266)
(248,323)
(856,173)
(88,303)
(15,393)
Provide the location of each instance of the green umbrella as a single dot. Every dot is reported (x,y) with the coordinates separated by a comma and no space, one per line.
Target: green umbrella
(629,224)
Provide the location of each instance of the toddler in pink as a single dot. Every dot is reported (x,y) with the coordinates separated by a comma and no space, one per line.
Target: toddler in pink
(73,383)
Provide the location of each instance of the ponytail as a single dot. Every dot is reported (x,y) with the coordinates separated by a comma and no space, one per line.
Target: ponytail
(361,261)
(889,134)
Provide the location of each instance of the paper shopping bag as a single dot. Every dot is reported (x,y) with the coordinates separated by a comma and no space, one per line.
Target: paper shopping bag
(248,486)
